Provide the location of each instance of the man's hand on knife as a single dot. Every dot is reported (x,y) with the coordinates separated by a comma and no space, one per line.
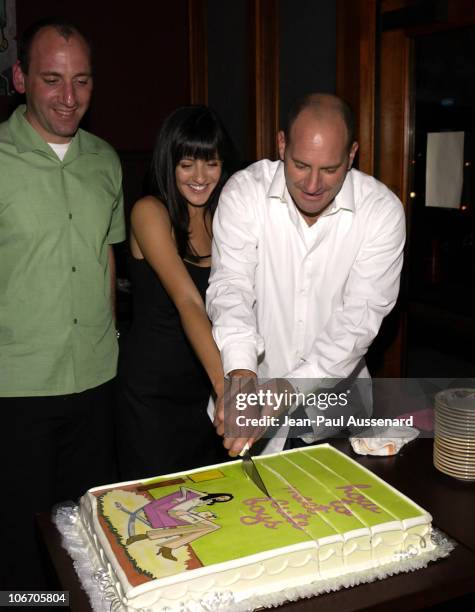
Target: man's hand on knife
(231,388)
(241,382)
(244,382)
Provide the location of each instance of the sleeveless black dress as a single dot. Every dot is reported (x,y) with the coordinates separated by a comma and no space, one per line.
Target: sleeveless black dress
(163,388)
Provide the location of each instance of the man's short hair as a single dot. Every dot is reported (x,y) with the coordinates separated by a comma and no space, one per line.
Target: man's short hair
(311,100)
(63,28)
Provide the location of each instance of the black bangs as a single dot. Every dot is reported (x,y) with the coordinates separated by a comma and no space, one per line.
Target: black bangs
(198,149)
(198,136)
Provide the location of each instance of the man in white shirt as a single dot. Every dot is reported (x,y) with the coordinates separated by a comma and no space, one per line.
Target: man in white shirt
(307,255)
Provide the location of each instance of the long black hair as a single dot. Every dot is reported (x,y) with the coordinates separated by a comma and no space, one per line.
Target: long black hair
(213,498)
(190,131)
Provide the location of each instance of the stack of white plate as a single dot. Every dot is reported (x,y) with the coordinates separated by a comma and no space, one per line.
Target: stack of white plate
(454,433)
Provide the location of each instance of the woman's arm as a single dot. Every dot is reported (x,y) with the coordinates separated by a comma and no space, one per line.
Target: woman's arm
(152,239)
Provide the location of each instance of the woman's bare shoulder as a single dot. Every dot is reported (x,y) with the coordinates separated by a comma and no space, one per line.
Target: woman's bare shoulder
(150,208)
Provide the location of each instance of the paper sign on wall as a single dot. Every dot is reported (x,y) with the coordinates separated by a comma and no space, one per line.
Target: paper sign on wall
(444,169)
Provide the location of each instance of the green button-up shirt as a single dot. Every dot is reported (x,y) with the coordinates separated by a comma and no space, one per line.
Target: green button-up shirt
(57,218)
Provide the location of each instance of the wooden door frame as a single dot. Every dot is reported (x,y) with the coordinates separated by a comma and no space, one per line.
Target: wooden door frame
(374,74)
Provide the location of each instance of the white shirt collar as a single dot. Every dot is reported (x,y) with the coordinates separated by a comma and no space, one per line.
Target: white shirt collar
(278,188)
(344,200)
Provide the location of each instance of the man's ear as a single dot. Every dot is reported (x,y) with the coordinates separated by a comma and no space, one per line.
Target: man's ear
(281,144)
(351,156)
(18,78)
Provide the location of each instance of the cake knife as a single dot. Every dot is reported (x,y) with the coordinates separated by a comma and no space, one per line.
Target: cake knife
(250,469)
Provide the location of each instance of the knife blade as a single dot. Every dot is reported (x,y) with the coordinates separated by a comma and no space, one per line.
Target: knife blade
(250,469)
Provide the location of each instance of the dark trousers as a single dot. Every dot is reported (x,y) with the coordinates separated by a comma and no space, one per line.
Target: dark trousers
(52,449)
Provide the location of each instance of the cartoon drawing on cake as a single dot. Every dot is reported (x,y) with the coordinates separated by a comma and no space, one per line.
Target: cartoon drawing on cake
(328,519)
(173,520)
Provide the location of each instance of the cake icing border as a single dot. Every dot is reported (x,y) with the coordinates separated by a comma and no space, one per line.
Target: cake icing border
(151,592)
(99,585)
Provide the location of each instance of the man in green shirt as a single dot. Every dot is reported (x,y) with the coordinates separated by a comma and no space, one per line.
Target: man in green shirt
(60,213)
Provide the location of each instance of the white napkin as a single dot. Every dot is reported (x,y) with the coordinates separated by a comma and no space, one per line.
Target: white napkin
(383,440)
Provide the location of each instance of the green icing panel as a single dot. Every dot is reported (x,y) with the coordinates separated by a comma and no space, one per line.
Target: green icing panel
(318,488)
(328,495)
(383,495)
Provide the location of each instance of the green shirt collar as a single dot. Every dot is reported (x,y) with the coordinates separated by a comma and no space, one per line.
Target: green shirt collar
(27,139)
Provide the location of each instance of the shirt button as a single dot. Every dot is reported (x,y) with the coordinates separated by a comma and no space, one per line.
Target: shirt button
(74,268)
(75,321)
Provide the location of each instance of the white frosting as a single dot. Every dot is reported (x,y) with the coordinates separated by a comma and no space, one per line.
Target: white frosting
(269,572)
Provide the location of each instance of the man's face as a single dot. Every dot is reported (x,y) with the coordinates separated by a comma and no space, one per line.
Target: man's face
(316,160)
(58,85)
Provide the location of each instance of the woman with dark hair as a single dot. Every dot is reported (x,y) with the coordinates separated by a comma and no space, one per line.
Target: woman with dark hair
(173,520)
(170,364)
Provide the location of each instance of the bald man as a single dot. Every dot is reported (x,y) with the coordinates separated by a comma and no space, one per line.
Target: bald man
(307,255)
(60,213)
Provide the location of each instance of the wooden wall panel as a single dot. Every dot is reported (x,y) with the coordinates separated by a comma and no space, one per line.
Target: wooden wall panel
(347,59)
(141,63)
(367,50)
(394,118)
(393,145)
(381,132)
(356,70)
(264,20)
(198,51)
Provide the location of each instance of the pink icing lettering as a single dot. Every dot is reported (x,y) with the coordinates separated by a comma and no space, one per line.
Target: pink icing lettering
(356,497)
(257,509)
(340,508)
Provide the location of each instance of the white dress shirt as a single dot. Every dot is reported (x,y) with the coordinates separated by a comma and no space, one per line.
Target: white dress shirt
(292,301)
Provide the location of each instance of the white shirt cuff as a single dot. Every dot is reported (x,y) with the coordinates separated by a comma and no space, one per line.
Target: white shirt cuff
(242,356)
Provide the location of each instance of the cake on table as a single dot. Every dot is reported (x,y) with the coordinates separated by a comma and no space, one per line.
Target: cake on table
(209,539)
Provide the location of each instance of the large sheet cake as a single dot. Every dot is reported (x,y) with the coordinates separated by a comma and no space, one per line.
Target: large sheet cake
(209,539)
